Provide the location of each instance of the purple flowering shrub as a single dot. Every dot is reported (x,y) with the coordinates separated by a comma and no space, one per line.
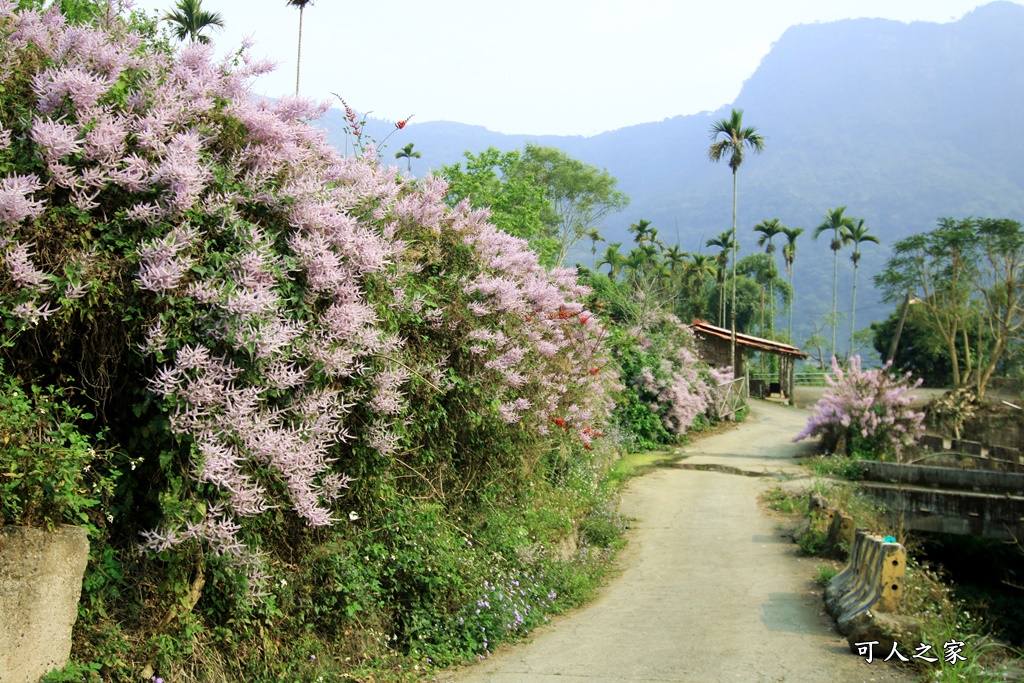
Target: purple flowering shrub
(284,329)
(866,413)
(667,388)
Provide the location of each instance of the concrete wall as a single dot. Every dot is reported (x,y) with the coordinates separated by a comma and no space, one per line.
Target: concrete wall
(40,584)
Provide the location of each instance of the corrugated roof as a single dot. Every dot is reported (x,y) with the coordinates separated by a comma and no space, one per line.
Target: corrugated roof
(746,340)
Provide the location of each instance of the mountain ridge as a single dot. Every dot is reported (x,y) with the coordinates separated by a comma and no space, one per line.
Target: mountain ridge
(903,123)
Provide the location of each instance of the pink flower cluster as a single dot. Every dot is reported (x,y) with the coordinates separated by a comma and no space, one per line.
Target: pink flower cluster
(872,407)
(280,248)
(681,388)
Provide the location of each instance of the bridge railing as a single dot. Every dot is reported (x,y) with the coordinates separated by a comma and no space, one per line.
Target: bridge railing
(800,379)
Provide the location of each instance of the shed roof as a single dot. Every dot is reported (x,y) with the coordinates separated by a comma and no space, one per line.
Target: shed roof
(700,327)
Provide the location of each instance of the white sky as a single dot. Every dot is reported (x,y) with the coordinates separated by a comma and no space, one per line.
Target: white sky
(565,67)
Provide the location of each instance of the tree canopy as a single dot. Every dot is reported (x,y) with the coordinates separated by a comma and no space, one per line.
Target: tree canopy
(539,193)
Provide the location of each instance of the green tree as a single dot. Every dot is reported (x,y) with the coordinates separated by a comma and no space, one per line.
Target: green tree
(579,195)
(789,257)
(921,350)
(407,153)
(594,236)
(937,269)
(840,227)
(613,259)
(731,139)
(540,194)
(695,272)
(301,4)
(724,242)
(643,232)
(858,235)
(675,257)
(188,21)
(769,230)
(999,287)
(496,180)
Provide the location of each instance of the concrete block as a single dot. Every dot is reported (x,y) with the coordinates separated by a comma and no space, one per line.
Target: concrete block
(873,580)
(40,585)
(841,531)
(968,447)
(931,442)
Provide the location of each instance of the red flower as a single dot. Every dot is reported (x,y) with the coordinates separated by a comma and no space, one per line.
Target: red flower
(401,124)
(594,371)
(588,446)
(584,319)
(558,421)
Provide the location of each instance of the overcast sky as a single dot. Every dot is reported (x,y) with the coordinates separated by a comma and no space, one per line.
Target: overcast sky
(566,67)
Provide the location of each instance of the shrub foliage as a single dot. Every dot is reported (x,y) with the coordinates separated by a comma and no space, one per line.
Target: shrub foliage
(307,375)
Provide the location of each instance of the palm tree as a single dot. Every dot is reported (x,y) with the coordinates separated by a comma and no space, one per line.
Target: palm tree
(735,139)
(189,20)
(614,260)
(724,243)
(840,227)
(768,230)
(640,229)
(407,153)
(301,4)
(594,236)
(789,256)
(696,270)
(675,257)
(858,234)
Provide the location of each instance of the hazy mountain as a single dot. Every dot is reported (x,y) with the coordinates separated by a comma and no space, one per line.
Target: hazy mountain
(901,123)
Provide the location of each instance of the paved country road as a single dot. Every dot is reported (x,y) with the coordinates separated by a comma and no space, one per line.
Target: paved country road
(710,590)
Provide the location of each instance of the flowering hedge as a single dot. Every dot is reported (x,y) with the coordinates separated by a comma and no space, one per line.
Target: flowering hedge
(866,413)
(299,318)
(667,389)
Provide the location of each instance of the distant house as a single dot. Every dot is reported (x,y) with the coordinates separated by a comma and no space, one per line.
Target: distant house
(713,346)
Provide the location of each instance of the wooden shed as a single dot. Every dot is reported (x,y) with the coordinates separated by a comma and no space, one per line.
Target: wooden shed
(713,345)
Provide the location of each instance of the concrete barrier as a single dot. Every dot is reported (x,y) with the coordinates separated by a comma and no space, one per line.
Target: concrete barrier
(932,442)
(40,584)
(839,539)
(873,579)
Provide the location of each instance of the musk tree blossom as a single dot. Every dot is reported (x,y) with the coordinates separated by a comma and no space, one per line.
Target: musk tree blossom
(867,411)
(19,265)
(268,266)
(161,264)
(15,204)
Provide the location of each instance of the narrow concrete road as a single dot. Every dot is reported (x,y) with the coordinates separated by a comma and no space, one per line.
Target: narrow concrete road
(710,590)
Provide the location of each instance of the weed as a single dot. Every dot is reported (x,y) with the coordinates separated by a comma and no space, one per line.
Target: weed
(782,501)
(825,574)
(839,466)
(812,542)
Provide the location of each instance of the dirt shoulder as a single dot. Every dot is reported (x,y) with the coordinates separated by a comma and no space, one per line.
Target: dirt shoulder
(710,589)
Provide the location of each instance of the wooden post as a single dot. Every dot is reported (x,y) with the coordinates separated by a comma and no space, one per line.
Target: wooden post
(792,381)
